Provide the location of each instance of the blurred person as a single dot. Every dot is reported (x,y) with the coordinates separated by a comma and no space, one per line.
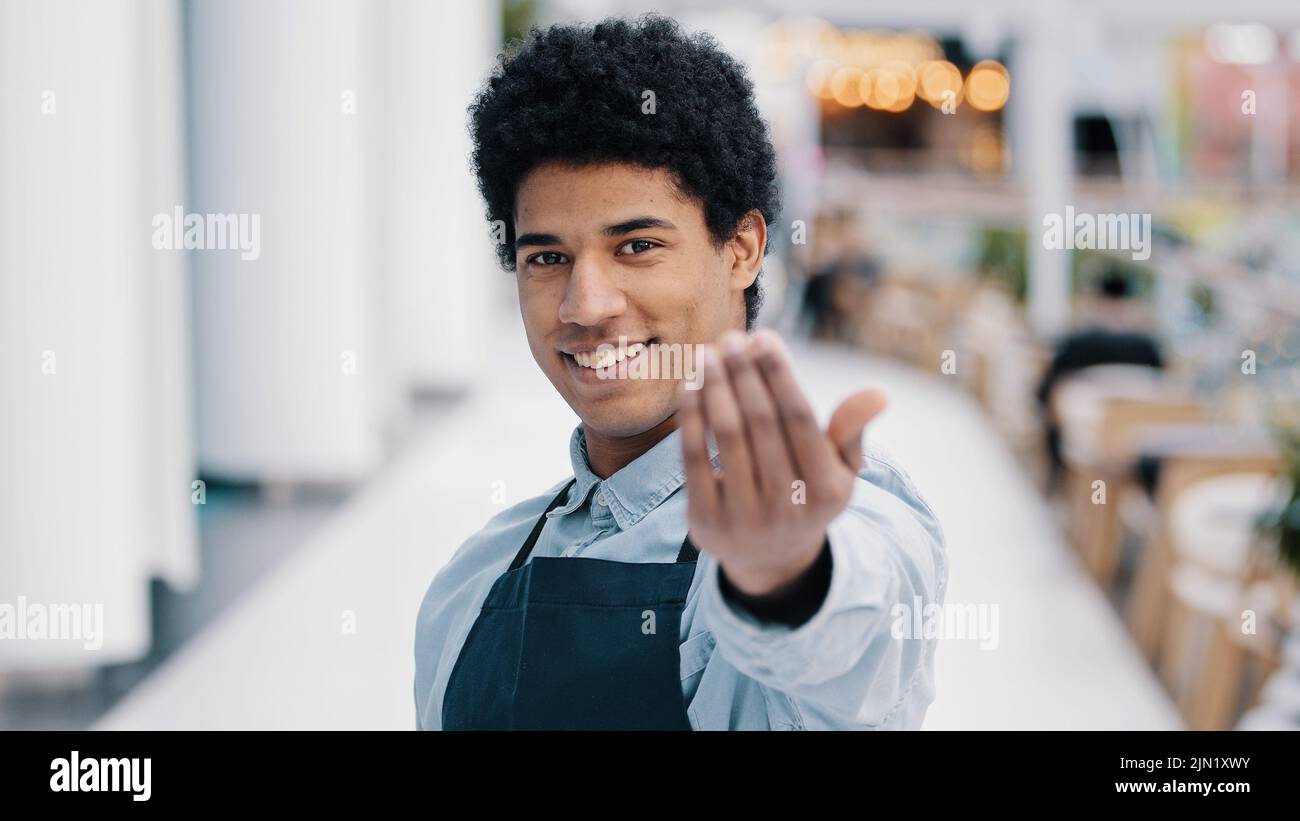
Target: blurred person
(835,299)
(630,231)
(818,304)
(1112,332)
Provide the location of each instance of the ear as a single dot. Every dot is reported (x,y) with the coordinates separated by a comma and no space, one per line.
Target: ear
(747,248)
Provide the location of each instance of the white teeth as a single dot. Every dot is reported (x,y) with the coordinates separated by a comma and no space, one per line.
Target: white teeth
(608,356)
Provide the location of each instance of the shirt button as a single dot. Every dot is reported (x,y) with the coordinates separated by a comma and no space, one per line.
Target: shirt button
(600,498)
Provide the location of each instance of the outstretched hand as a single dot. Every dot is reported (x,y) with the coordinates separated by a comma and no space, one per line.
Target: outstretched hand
(783,478)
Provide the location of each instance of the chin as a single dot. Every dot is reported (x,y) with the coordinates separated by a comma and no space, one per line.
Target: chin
(625,417)
(615,407)
(619,431)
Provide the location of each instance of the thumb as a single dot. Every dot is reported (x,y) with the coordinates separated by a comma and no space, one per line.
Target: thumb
(850,420)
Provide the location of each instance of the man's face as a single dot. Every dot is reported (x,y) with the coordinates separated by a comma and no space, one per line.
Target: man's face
(614,252)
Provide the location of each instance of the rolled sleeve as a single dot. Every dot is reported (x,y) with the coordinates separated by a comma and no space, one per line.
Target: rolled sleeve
(844,668)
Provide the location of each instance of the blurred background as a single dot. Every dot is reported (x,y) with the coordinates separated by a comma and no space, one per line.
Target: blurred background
(233,457)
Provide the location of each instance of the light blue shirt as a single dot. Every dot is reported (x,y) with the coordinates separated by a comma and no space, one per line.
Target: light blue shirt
(845,668)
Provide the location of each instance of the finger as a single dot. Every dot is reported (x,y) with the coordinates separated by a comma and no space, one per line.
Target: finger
(701,484)
(722,415)
(812,451)
(850,420)
(772,466)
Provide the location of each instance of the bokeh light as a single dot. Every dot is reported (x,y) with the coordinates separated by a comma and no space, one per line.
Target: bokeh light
(988,86)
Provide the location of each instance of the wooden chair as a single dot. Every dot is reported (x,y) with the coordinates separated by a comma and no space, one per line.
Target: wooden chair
(1214,668)
(1180,470)
(1094,528)
(1215,577)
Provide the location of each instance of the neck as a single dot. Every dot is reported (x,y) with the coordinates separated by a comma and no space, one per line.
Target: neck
(608,454)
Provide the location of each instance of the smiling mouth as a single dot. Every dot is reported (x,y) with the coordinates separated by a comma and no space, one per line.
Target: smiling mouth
(606,360)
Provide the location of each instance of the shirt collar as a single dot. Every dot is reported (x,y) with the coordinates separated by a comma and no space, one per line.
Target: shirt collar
(635,489)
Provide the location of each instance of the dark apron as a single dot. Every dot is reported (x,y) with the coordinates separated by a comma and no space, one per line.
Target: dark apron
(564,644)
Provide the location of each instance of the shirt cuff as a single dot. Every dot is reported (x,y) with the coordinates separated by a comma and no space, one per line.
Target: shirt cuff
(825,646)
(795,603)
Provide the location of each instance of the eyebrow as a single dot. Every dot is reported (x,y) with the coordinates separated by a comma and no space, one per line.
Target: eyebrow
(637,224)
(535,239)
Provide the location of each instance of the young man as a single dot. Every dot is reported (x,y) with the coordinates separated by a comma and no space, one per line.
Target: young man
(637,234)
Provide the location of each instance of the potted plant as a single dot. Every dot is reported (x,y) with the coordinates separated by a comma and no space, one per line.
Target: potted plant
(1281,526)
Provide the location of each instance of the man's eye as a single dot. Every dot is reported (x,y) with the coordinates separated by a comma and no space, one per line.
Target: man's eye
(547,258)
(637,246)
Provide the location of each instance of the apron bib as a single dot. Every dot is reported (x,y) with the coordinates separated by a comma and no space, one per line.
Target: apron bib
(574,644)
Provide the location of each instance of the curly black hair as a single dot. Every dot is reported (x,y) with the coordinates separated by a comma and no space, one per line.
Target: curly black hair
(574,93)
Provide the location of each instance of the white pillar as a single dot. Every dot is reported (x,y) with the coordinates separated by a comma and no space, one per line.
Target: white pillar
(286,359)
(446,274)
(96,454)
(1041,93)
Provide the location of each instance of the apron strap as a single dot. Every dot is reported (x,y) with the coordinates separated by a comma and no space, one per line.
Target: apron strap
(688,553)
(522,555)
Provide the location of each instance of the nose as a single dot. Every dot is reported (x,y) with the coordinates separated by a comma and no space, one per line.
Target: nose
(591,296)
